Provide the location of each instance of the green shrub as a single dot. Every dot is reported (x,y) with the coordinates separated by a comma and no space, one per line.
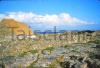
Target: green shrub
(65,46)
(92,55)
(8,58)
(34,51)
(49,48)
(23,54)
(97,41)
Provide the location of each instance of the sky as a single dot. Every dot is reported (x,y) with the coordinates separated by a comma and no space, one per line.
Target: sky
(45,14)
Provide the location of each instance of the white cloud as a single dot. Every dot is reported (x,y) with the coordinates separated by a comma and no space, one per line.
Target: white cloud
(2,16)
(50,19)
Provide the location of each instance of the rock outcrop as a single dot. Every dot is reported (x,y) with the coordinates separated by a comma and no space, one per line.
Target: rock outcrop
(12,29)
(18,27)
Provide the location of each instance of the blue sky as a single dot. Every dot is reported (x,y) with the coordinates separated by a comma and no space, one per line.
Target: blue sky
(86,11)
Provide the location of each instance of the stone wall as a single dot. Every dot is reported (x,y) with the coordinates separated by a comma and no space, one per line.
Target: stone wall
(72,37)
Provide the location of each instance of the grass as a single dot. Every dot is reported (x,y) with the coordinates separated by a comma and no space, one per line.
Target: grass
(34,51)
(92,55)
(26,53)
(97,41)
(65,46)
(23,54)
(49,48)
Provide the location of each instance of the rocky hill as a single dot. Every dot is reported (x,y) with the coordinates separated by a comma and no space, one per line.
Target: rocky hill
(18,27)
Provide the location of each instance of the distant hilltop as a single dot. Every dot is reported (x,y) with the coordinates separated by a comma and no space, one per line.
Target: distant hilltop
(18,27)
